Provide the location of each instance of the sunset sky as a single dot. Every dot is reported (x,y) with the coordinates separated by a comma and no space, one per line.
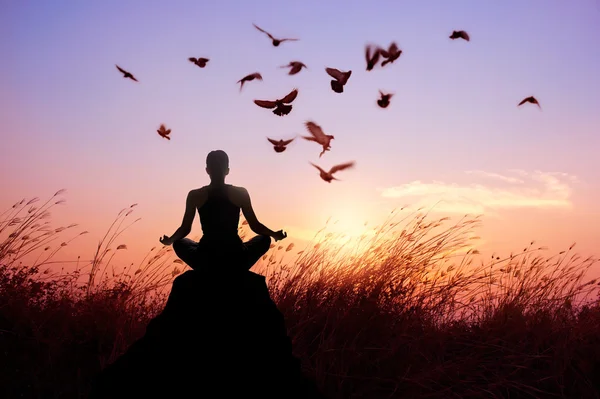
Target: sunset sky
(453,132)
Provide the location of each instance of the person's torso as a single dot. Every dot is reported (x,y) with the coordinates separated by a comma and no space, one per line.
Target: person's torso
(219,216)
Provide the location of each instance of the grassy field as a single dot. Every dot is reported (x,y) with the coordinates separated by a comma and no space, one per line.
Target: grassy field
(411,311)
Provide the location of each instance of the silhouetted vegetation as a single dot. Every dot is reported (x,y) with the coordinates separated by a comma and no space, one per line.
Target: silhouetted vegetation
(408,310)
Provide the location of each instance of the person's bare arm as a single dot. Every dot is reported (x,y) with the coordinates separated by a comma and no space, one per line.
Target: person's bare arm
(188,218)
(255,225)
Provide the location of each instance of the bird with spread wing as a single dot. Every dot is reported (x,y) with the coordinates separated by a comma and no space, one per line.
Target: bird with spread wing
(125,73)
(384,99)
(530,99)
(339,79)
(318,136)
(201,62)
(164,132)
(276,42)
(391,54)
(372,58)
(280,145)
(280,106)
(460,34)
(249,78)
(328,176)
(295,67)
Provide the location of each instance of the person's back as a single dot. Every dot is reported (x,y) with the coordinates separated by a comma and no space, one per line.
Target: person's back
(219,216)
(219,206)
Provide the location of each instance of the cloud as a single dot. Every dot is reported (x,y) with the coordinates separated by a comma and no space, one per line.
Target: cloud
(491,175)
(543,190)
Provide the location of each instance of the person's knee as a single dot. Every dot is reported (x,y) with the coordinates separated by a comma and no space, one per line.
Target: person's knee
(265,242)
(178,246)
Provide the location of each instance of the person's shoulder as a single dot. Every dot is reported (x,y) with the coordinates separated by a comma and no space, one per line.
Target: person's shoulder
(239,192)
(238,189)
(197,192)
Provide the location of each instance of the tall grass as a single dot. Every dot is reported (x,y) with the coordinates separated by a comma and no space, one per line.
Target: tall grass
(408,310)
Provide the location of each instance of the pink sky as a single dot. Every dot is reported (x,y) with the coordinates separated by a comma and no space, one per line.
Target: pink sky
(453,131)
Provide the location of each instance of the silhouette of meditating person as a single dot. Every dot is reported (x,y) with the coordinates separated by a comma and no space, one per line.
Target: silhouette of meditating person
(219,206)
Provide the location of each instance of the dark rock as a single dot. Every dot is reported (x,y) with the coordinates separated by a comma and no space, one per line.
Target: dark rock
(217,337)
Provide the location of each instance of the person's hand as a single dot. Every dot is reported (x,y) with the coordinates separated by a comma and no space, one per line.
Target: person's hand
(279,235)
(165,240)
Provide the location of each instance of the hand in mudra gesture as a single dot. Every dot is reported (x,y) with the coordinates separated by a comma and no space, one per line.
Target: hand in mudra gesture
(279,235)
(165,240)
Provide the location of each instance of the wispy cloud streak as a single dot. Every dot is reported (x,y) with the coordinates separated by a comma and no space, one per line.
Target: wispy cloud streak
(548,190)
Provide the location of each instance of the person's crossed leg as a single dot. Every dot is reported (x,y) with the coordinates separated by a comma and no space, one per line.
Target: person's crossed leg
(256,247)
(189,252)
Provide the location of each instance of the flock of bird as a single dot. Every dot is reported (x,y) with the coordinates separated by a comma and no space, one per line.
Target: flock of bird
(283,106)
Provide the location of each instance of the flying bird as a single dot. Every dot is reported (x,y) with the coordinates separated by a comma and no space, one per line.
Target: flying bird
(249,78)
(280,108)
(340,79)
(530,99)
(318,136)
(276,42)
(125,73)
(280,145)
(164,132)
(372,59)
(384,101)
(391,54)
(296,66)
(328,176)
(201,62)
(460,34)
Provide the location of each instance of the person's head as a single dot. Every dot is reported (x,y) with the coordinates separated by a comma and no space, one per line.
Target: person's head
(217,164)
